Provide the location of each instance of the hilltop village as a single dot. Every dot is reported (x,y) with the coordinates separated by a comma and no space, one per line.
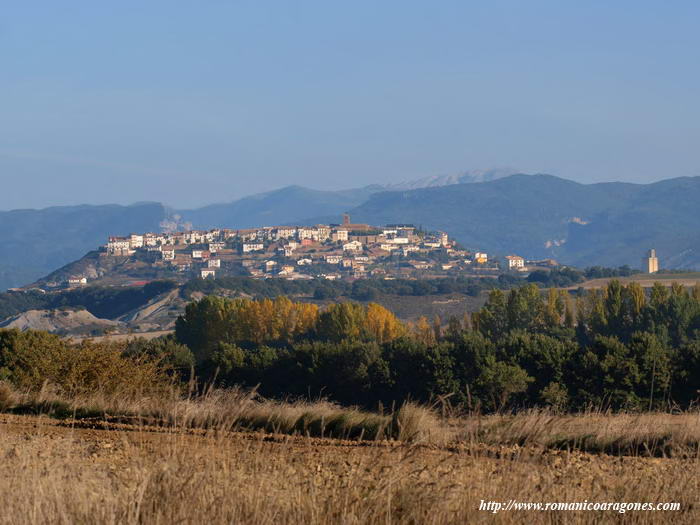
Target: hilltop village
(337,251)
(333,251)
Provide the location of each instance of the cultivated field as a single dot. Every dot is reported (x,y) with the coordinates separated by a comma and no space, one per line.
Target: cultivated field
(204,469)
(689,279)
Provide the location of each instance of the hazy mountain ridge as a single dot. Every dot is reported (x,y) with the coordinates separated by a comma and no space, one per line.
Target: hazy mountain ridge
(291,204)
(35,242)
(466,177)
(531,215)
(594,224)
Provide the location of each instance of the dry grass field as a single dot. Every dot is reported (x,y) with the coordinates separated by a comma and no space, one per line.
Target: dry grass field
(215,460)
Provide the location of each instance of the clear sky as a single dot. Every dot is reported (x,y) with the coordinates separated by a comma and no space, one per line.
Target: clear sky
(192,102)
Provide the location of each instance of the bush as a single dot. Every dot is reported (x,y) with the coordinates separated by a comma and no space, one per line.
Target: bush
(29,360)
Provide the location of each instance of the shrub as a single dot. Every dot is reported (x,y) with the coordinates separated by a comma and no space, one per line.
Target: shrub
(29,360)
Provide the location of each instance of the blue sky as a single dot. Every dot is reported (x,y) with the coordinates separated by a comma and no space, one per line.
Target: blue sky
(196,102)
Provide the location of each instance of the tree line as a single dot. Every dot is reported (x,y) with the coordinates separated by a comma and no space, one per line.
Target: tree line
(620,347)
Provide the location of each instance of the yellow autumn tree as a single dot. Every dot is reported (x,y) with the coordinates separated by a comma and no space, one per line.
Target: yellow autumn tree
(423,332)
(381,324)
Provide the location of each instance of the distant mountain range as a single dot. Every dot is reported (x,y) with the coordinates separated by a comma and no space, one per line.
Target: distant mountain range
(544,216)
(35,242)
(446,180)
(292,204)
(531,215)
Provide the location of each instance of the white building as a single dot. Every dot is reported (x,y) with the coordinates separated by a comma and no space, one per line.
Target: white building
(352,246)
(339,235)
(252,247)
(515,262)
(205,273)
(285,233)
(136,240)
(150,239)
(214,263)
(119,246)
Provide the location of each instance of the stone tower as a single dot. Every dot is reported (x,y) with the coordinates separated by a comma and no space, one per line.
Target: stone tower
(650,264)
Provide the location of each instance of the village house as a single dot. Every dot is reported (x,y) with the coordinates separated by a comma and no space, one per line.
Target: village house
(285,233)
(182,261)
(321,233)
(515,262)
(216,246)
(77,281)
(481,257)
(136,240)
(543,263)
(397,240)
(119,246)
(206,273)
(214,263)
(286,270)
(150,239)
(305,233)
(253,247)
(405,250)
(352,246)
(168,254)
(248,235)
(304,262)
(333,259)
(359,272)
(177,239)
(270,265)
(340,234)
